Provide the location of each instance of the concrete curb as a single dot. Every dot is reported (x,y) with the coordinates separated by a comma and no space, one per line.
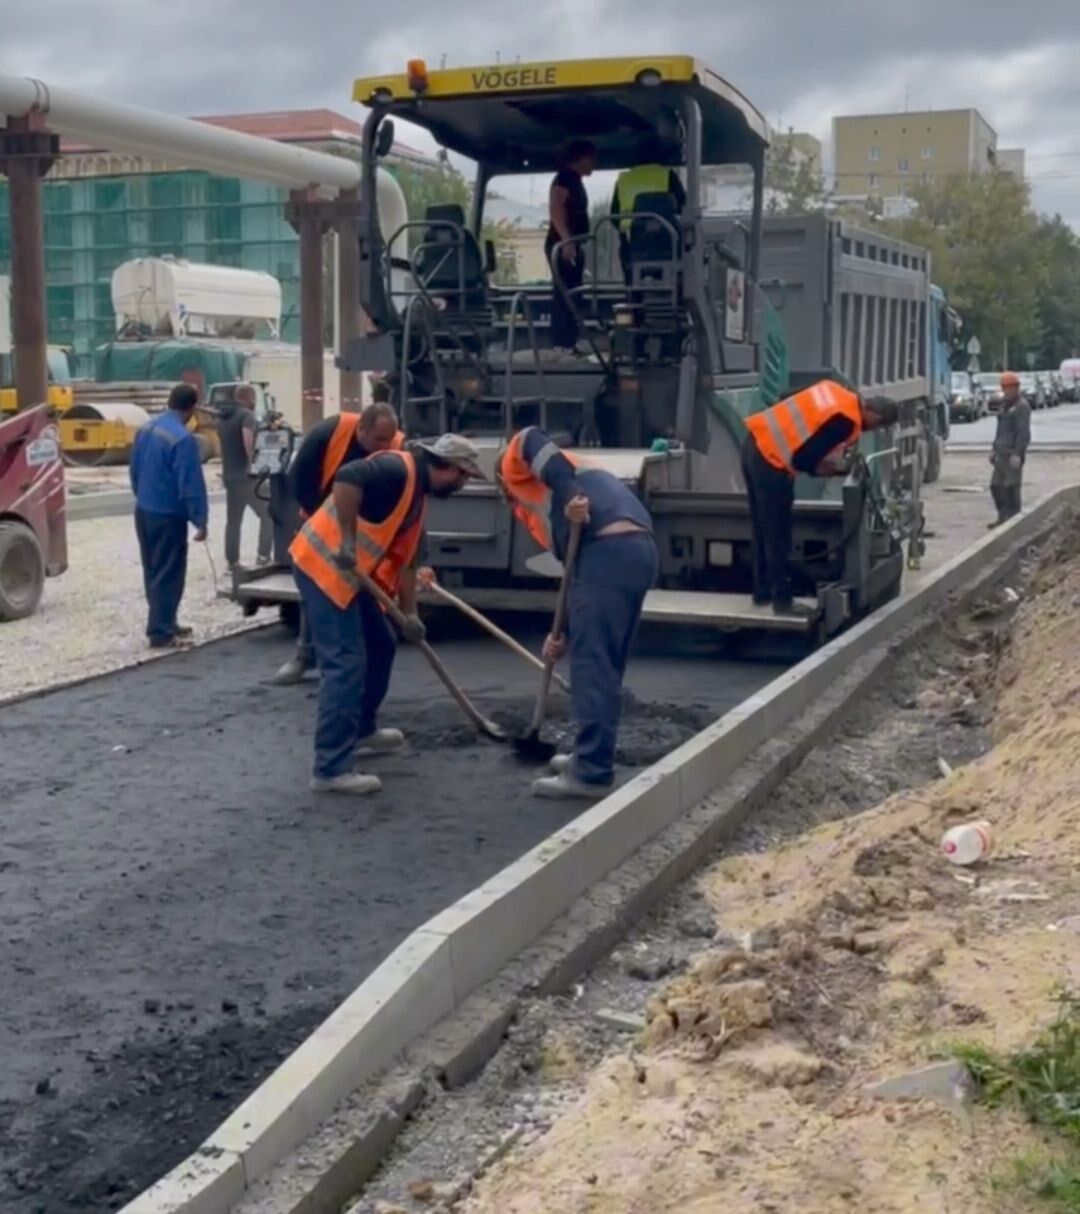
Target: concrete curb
(436,969)
(112,504)
(974,446)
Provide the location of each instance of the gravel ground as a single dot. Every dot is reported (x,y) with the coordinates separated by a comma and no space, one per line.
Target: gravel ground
(895,741)
(92,618)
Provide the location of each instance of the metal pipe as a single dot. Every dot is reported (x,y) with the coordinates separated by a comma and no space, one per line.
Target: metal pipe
(196,144)
(173,161)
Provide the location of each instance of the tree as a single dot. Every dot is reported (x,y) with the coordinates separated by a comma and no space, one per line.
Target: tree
(1058,304)
(984,242)
(793,182)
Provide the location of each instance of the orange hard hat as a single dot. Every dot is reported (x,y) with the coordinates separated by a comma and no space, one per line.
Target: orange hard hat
(1009,379)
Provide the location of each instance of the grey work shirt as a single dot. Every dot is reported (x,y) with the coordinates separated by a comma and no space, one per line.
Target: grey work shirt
(1013,434)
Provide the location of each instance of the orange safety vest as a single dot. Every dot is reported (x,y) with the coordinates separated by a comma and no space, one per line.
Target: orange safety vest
(383,549)
(779,432)
(530,498)
(338,446)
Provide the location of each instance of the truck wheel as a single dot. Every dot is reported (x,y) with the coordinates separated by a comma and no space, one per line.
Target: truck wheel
(933,459)
(289,615)
(22,571)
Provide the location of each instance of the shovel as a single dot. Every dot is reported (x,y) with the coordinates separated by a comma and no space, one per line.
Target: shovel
(490,626)
(435,662)
(530,745)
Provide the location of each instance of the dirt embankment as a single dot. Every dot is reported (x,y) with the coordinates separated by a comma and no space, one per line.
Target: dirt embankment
(866,956)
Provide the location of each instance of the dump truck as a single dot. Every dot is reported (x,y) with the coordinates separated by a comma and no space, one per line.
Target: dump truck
(717,317)
(33,510)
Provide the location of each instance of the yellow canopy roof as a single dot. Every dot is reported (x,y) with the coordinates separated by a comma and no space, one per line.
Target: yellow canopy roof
(517,117)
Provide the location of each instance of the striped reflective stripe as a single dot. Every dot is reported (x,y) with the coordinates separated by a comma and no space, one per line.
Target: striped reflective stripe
(822,397)
(796,418)
(783,447)
(542,458)
(322,549)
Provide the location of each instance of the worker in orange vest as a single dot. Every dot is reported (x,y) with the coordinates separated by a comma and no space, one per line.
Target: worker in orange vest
(814,432)
(326,448)
(548,489)
(370,525)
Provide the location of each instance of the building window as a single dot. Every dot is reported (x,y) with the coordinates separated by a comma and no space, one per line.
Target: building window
(875,153)
(928,153)
(875,181)
(902,164)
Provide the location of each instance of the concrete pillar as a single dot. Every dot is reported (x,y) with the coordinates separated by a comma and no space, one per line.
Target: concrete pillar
(306,215)
(348,292)
(26,152)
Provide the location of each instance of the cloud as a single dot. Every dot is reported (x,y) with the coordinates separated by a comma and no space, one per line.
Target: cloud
(801,61)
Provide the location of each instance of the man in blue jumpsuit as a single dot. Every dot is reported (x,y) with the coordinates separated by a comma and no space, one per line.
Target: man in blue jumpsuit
(616,565)
(170,494)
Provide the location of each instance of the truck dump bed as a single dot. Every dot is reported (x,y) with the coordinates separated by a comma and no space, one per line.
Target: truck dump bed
(851,301)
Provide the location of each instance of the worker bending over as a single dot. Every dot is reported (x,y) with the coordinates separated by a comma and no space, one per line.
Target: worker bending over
(1011,441)
(370,526)
(616,565)
(815,432)
(326,448)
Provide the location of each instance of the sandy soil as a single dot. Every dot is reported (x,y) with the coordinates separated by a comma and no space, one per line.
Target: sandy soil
(868,955)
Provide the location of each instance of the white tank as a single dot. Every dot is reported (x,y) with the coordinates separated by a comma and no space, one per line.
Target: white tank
(187,299)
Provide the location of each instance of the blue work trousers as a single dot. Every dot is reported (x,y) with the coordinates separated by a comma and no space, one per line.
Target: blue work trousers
(163,545)
(355,650)
(606,596)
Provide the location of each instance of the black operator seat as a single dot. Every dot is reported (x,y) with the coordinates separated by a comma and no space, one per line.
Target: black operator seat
(449,263)
(655,239)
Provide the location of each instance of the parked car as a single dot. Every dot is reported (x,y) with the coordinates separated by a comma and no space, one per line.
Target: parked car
(967,398)
(1050,388)
(990,382)
(1032,389)
(1070,373)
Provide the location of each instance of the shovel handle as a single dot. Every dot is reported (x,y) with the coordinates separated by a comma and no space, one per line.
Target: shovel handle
(558,625)
(434,661)
(490,626)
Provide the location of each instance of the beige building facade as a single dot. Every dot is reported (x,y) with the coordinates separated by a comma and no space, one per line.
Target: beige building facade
(885,155)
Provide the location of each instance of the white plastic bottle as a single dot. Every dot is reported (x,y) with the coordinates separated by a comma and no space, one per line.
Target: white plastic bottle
(967,844)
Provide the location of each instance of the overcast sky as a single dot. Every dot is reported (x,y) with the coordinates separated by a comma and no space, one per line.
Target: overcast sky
(799,61)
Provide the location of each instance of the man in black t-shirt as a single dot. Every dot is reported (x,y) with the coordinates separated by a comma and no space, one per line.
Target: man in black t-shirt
(568,211)
(236,428)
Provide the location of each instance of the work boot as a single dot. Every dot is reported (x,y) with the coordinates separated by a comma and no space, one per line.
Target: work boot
(567,787)
(761,598)
(173,642)
(561,763)
(351,783)
(789,607)
(292,672)
(183,631)
(381,742)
